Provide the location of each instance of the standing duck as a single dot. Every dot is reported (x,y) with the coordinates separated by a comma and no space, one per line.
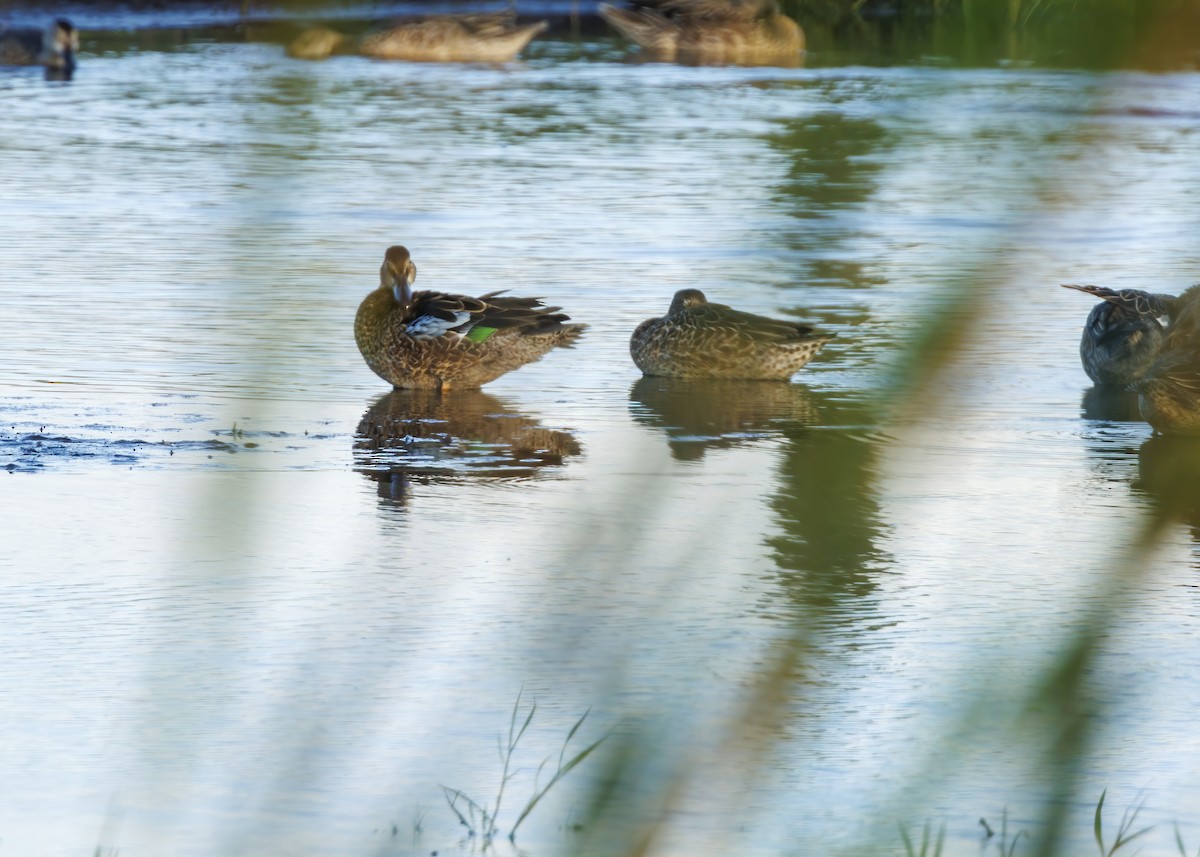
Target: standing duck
(743,32)
(1169,391)
(439,340)
(696,339)
(453,38)
(55,47)
(1124,333)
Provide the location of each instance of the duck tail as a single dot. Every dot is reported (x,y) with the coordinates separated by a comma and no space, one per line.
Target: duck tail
(642,26)
(536,28)
(566,334)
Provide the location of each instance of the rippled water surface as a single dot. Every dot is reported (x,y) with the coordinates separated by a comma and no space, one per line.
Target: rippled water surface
(255,603)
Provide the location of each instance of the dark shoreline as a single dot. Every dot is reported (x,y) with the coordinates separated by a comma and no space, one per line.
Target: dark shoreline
(152,14)
(1156,35)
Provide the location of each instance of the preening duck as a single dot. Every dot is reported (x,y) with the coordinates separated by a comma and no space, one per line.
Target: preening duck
(441,340)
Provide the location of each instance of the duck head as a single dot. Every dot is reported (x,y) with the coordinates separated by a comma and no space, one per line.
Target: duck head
(60,44)
(685,299)
(398,273)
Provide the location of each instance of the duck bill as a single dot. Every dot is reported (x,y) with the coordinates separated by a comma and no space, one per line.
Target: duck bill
(402,285)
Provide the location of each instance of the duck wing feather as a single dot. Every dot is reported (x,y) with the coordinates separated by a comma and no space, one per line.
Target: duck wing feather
(436,313)
(748,325)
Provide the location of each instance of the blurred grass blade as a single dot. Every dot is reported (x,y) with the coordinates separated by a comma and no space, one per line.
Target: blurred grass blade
(1098,823)
(558,775)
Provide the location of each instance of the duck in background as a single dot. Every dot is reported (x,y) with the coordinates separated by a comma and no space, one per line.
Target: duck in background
(739,32)
(439,340)
(1124,333)
(441,38)
(54,47)
(453,38)
(315,43)
(697,339)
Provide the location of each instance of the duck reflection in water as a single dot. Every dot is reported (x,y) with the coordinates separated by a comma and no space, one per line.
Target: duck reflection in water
(423,436)
(1110,404)
(702,414)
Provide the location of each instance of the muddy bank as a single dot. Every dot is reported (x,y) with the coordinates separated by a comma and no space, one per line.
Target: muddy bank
(41,434)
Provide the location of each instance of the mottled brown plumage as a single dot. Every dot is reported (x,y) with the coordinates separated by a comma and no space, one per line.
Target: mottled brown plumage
(1169,391)
(696,339)
(315,43)
(453,38)
(438,340)
(1124,333)
(743,32)
(713,10)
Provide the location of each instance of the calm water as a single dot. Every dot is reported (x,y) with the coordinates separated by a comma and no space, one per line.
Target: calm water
(233,624)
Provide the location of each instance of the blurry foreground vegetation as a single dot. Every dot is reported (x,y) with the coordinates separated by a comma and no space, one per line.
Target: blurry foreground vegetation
(1060,706)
